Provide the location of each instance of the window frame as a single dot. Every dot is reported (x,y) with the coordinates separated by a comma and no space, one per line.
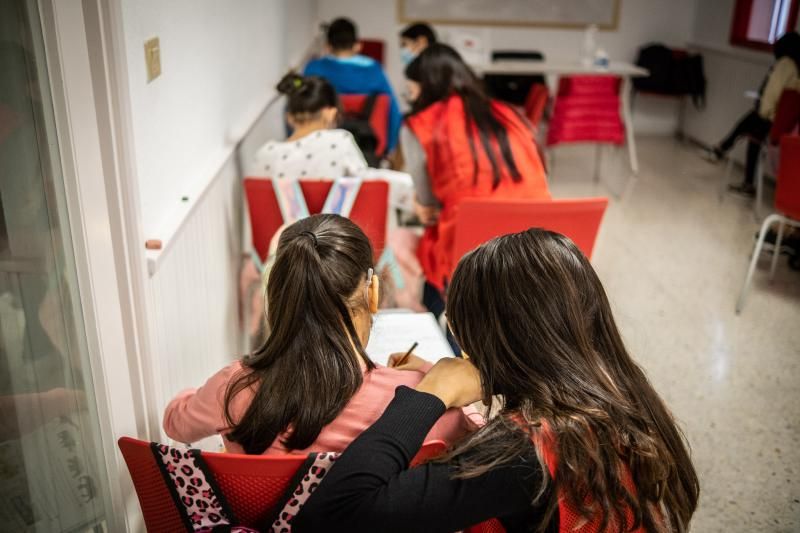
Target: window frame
(741,22)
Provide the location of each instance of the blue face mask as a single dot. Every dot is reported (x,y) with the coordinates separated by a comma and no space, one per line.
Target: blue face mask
(407,56)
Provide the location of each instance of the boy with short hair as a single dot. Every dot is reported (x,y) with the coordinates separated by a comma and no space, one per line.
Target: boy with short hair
(352,73)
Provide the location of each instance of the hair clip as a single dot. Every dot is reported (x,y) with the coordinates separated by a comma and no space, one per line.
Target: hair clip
(370,273)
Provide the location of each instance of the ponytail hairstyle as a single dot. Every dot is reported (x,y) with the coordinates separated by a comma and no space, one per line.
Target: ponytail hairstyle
(307,96)
(441,73)
(308,367)
(546,343)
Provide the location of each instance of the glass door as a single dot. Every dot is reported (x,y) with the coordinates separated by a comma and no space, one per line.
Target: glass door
(50,453)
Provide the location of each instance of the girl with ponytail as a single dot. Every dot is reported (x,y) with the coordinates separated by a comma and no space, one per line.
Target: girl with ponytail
(311,385)
(316,148)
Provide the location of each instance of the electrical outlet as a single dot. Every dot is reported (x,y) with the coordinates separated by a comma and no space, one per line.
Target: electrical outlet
(152,58)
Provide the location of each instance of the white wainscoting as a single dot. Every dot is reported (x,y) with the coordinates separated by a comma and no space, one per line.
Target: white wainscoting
(192,295)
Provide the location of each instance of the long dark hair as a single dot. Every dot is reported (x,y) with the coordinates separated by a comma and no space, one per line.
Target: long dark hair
(307,96)
(307,369)
(442,73)
(545,341)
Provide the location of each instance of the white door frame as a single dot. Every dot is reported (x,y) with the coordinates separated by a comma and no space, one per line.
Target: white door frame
(85,61)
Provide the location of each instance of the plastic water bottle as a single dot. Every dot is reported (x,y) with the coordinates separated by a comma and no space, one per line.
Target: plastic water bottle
(601,59)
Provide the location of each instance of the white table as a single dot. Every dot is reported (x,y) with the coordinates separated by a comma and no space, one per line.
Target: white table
(626,71)
(396,331)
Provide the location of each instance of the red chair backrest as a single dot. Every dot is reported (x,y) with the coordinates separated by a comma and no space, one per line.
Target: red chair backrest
(379,120)
(252,484)
(479,221)
(158,510)
(787,190)
(369,210)
(535,103)
(787,115)
(373,48)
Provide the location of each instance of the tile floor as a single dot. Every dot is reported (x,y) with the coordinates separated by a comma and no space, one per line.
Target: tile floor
(672,259)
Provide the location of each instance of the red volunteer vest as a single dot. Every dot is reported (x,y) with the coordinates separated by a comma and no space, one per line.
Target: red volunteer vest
(570,519)
(441,129)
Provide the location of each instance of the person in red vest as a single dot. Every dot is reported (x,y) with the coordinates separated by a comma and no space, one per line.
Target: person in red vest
(458,143)
(581,443)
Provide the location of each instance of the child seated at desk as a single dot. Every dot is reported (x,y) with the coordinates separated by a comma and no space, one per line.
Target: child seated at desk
(310,386)
(353,73)
(316,149)
(581,442)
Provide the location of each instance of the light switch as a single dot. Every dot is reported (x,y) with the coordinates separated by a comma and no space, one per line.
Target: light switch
(152,57)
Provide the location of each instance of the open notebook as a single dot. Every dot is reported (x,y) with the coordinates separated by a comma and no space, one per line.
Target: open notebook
(395,331)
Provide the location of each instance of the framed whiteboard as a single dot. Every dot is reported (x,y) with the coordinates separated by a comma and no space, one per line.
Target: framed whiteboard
(543,13)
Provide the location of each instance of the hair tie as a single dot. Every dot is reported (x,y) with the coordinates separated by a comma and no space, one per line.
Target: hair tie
(313,237)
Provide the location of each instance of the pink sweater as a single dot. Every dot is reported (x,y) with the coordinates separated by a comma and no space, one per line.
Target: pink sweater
(198,413)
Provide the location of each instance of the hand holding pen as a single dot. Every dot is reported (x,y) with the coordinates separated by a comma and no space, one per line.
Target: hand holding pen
(407,360)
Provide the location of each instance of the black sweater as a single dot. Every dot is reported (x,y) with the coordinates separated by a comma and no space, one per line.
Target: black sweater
(371,488)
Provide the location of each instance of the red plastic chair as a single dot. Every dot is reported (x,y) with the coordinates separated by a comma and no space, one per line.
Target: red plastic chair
(373,48)
(369,210)
(787,209)
(479,221)
(536,102)
(252,484)
(353,103)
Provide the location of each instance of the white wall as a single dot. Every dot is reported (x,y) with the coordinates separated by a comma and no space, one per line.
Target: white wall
(218,61)
(220,64)
(641,21)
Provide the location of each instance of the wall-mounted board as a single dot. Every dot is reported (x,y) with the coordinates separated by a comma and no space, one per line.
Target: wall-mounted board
(546,13)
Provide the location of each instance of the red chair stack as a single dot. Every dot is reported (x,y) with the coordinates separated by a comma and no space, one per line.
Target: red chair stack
(587,109)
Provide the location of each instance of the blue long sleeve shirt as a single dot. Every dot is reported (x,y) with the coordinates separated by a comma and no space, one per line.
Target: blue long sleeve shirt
(359,74)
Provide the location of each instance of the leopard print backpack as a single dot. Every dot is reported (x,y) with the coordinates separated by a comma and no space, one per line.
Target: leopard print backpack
(203,506)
